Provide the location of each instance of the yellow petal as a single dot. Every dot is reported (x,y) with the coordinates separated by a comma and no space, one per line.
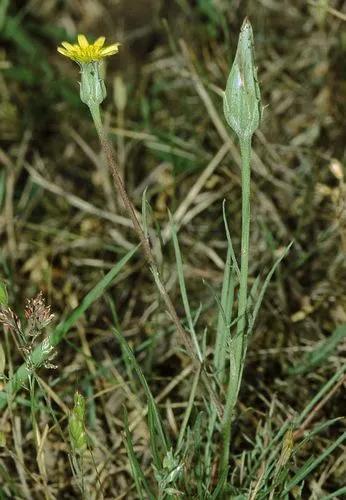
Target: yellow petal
(100,42)
(79,54)
(112,49)
(67,45)
(83,42)
(109,53)
(63,52)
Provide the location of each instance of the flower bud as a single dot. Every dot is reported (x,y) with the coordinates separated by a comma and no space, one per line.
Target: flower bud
(79,406)
(76,425)
(242,100)
(92,87)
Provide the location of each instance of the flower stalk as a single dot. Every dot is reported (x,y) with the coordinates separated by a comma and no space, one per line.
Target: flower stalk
(92,93)
(242,109)
(145,244)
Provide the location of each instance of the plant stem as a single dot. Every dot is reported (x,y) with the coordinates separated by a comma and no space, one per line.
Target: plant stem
(149,256)
(237,346)
(245,149)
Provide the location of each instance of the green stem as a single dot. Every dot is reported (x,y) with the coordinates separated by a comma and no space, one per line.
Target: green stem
(145,244)
(245,148)
(188,410)
(96,116)
(237,346)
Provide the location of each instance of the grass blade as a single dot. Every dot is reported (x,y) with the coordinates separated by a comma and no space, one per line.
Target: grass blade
(137,473)
(337,493)
(229,240)
(182,285)
(155,424)
(321,353)
(311,464)
(224,318)
(264,288)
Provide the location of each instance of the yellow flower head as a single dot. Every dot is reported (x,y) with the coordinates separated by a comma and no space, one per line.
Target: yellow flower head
(85,52)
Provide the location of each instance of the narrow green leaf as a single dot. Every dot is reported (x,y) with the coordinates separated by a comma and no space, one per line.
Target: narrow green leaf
(91,297)
(229,240)
(336,494)
(318,429)
(264,288)
(320,354)
(137,473)
(220,486)
(188,410)
(273,444)
(182,285)
(155,423)
(153,431)
(311,464)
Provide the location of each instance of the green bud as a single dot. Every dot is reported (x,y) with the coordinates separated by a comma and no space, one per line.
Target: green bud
(3,294)
(79,405)
(76,425)
(77,434)
(242,99)
(92,87)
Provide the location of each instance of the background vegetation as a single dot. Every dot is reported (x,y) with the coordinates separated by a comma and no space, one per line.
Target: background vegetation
(62,227)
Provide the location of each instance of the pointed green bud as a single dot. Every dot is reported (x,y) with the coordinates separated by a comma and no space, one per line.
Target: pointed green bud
(76,425)
(242,99)
(92,87)
(79,405)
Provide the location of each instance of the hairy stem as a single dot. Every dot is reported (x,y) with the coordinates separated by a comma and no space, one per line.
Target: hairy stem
(245,148)
(149,256)
(238,342)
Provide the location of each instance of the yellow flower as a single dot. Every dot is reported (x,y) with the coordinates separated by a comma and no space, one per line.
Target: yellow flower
(85,52)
